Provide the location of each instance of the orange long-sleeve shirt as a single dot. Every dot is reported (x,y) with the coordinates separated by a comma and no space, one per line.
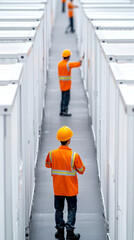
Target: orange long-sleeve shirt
(70,9)
(64,72)
(64,164)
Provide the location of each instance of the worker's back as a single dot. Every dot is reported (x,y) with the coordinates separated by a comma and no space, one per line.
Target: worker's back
(65,164)
(64,74)
(63,68)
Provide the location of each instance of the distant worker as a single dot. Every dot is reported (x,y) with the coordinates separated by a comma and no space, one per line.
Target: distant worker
(65,164)
(71,6)
(64,72)
(63,5)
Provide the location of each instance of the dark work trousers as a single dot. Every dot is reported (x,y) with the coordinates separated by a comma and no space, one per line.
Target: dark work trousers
(63,6)
(59,207)
(71,25)
(65,98)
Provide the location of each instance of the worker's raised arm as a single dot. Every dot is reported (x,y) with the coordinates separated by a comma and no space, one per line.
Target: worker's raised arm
(74,64)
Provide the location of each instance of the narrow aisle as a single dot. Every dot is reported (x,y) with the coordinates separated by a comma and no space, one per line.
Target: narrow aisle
(89,221)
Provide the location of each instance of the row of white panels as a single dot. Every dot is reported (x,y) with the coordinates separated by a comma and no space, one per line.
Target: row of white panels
(24,48)
(106,36)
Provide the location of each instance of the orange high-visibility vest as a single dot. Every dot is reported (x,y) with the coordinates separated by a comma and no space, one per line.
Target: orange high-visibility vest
(64,72)
(70,9)
(64,164)
(63,0)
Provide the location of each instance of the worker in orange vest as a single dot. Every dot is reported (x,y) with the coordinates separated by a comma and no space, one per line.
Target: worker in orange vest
(71,6)
(63,5)
(65,164)
(64,72)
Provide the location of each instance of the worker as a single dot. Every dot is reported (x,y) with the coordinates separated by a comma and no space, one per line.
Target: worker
(63,5)
(65,164)
(64,72)
(71,6)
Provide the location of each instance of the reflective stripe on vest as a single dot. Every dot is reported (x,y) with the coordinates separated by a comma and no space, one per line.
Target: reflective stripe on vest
(50,156)
(80,169)
(72,160)
(65,172)
(68,68)
(65,78)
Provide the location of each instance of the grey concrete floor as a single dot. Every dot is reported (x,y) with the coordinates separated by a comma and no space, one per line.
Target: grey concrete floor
(90,222)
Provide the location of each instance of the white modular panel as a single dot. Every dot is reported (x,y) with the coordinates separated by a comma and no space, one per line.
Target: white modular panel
(21,7)
(111,206)
(48,29)
(30,16)
(32,135)
(105,2)
(40,14)
(12,162)
(21,16)
(54,7)
(109,36)
(107,5)
(80,23)
(96,8)
(41,58)
(88,70)
(49,9)
(112,25)
(49,12)
(24,52)
(12,74)
(125,156)
(33,79)
(31,11)
(99,78)
(19,25)
(17,36)
(119,52)
(83,50)
(2,177)
(115,36)
(78,18)
(82,34)
(122,177)
(23,2)
(104,15)
(120,73)
(91,38)
(108,8)
(44,9)
(38,87)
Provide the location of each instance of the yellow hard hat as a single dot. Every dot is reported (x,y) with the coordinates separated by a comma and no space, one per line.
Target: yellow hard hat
(66,53)
(64,134)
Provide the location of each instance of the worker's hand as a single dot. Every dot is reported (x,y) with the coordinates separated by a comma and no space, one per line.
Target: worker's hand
(83,56)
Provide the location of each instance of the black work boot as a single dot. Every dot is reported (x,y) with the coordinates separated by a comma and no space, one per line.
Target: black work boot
(72,236)
(60,234)
(66,114)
